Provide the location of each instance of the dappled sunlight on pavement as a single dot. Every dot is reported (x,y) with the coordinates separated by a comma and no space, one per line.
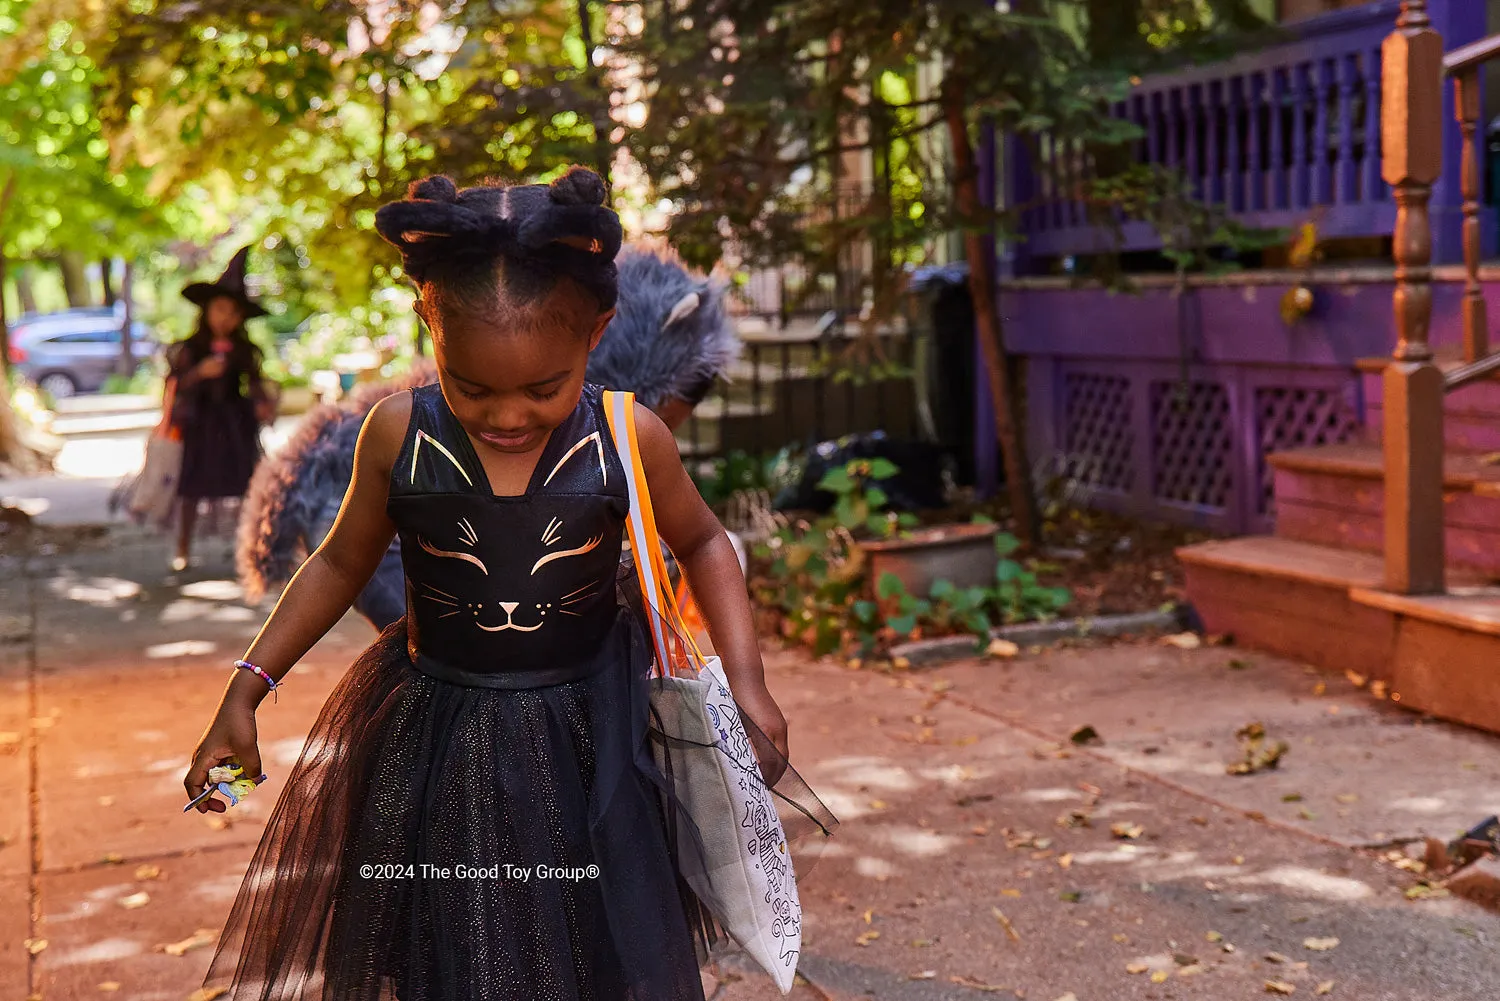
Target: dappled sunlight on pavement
(979,849)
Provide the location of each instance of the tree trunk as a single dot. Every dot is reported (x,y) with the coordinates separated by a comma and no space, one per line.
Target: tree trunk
(127,293)
(75,284)
(986,316)
(602,149)
(5,196)
(24,290)
(106,279)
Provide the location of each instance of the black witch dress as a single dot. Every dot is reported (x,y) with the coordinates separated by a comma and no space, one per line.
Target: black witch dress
(477,814)
(217,421)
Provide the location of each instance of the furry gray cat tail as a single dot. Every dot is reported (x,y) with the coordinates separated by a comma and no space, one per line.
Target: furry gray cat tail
(671,337)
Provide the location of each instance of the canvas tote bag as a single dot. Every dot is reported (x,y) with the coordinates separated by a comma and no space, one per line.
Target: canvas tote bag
(746,881)
(154,491)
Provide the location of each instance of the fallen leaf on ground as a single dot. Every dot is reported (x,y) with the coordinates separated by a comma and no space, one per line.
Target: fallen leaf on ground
(1160,977)
(110,986)
(1326,987)
(869,917)
(1183,641)
(878,804)
(942,685)
(106,801)
(1379,689)
(1002,648)
(1070,996)
(978,985)
(1258,753)
(1070,896)
(147,872)
(197,940)
(1010,929)
(1276,957)
(1279,987)
(1085,735)
(1065,861)
(1075,818)
(1422,891)
(1133,968)
(208,993)
(865,938)
(1010,893)
(135,901)
(1292,797)
(1321,688)
(1320,944)
(9,741)
(113,858)
(1192,970)
(924,975)
(1357,680)
(1126,830)
(1122,939)
(922,943)
(35,945)
(1214,936)
(1347,797)
(968,741)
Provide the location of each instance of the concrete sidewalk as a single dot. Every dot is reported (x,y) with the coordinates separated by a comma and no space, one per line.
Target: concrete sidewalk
(976,851)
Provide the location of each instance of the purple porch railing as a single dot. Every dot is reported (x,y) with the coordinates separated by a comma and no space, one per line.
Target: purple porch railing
(1272,135)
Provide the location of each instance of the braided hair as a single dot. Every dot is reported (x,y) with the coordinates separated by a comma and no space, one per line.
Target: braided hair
(503,251)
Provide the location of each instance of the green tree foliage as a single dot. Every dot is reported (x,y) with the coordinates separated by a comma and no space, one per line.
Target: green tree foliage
(757,109)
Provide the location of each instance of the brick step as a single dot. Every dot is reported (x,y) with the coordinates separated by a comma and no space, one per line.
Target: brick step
(1324,605)
(1335,495)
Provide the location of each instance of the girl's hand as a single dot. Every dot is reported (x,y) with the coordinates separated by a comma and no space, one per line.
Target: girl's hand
(759,708)
(210,368)
(230,735)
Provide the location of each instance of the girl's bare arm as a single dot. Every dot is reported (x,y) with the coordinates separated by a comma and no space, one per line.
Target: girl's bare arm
(708,560)
(327,584)
(317,597)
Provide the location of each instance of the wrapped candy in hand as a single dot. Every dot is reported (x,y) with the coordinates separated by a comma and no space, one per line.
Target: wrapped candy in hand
(224,773)
(236,791)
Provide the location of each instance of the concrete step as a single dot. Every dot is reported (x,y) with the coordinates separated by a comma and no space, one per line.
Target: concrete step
(1335,495)
(1324,605)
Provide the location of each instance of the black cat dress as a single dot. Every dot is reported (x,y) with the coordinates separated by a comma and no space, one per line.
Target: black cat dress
(503,723)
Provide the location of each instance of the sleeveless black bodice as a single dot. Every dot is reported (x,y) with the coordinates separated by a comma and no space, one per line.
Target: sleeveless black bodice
(509,592)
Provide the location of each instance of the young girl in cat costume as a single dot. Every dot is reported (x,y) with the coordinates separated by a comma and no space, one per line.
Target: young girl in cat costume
(504,721)
(669,340)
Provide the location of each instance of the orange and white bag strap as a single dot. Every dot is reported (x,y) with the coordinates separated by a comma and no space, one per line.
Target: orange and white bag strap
(676,650)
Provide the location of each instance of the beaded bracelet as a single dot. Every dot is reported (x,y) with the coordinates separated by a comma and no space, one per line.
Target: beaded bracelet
(247,666)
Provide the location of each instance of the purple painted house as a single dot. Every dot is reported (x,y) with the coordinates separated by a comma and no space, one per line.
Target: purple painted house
(1167,406)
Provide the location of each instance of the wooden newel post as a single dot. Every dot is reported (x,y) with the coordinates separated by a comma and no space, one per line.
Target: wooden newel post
(1411,138)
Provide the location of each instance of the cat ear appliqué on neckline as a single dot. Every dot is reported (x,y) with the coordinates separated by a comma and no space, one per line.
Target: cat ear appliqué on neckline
(598,445)
(416,450)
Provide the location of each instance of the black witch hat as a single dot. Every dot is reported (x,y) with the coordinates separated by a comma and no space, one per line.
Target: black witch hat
(231,284)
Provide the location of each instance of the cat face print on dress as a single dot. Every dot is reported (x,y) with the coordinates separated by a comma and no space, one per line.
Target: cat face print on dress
(530,620)
(554,546)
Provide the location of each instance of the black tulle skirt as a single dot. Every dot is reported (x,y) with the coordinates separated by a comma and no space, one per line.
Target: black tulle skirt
(446,843)
(382,872)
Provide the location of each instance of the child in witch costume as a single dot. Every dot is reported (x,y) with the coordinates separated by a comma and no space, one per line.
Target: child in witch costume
(503,723)
(669,340)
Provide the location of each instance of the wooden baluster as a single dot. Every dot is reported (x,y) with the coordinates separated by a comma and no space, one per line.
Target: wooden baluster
(1322,192)
(1346,173)
(1467,105)
(1255,191)
(1300,91)
(1048,180)
(1193,163)
(1374,187)
(1412,392)
(1276,122)
(1213,180)
(1171,117)
(1232,200)
(1153,129)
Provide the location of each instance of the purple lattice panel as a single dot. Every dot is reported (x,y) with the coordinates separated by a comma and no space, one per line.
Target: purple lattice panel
(1291,417)
(1192,444)
(1100,439)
